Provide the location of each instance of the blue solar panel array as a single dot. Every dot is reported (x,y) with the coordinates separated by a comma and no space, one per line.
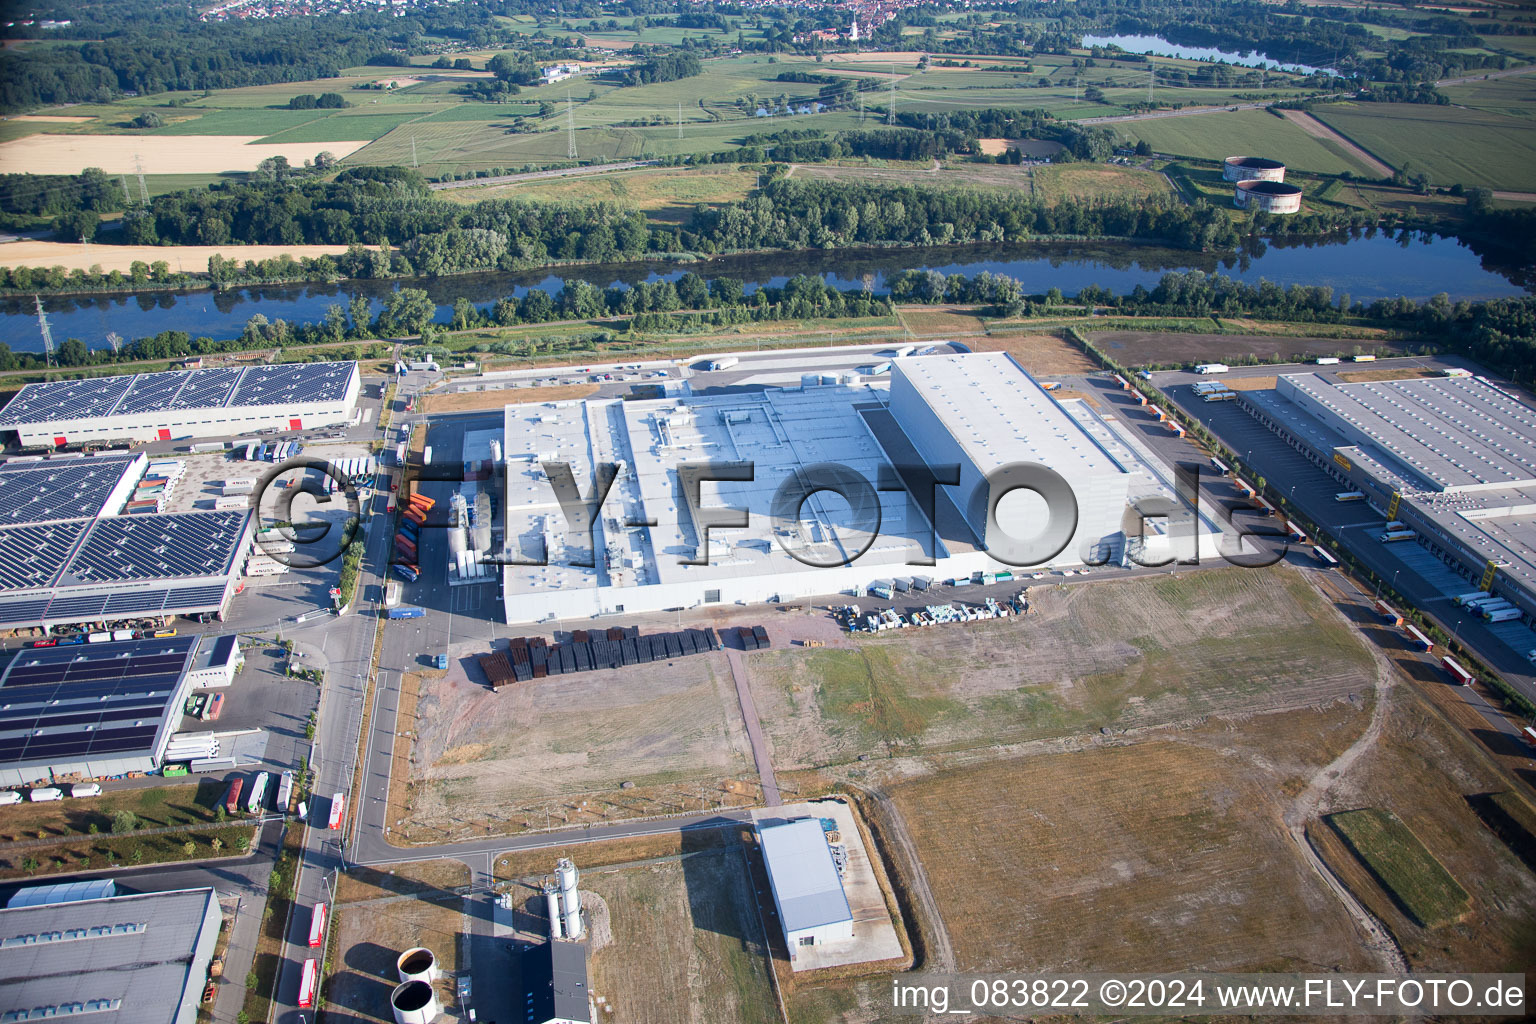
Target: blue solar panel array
(287,383)
(64,399)
(33,556)
(158,547)
(79,703)
(118,567)
(214,388)
(77,488)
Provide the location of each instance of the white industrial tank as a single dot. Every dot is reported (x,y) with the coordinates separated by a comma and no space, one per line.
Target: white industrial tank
(414,1002)
(570,899)
(417,964)
(552,907)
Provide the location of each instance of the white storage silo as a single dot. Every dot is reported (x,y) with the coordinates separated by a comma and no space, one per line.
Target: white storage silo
(570,899)
(414,1002)
(552,906)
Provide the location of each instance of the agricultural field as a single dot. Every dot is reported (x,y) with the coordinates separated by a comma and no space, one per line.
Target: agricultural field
(1472,147)
(953,173)
(1399,862)
(667,195)
(192,259)
(1514,96)
(1216,136)
(125,154)
(1112,655)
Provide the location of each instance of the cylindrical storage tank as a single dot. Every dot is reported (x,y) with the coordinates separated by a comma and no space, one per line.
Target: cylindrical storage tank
(457,543)
(570,898)
(810,380)
(552,906)
(1267,196)
(1252,168)
(414,1002)
(495,450)
(417,964)
(829,378)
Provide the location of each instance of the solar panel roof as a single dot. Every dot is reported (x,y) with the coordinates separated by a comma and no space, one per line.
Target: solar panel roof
(32,492)
(213,388)
(158,547)
(88,701)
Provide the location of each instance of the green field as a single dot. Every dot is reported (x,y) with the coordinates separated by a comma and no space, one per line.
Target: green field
(1249,132)
(1416,880)
(482,112)
(1473,147)
(239,122)
(342,128)
(1515,96)
(664,194)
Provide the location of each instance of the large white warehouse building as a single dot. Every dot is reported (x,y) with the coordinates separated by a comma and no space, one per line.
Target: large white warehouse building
(807,890)
(174,404)
(657,546)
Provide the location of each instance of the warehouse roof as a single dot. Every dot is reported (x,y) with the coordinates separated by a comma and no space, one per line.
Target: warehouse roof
(1451,433)
(88,701)
(182,548)
(63,892)
(179,390)
(126,958)
(999,414)
(555,983)
(805,880)
(68,487)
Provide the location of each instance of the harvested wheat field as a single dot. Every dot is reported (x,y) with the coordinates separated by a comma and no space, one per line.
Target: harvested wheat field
(496,398)
(159,154)
(1106,655)
(192,259)
(558,750)
(50,119)
(1162,856)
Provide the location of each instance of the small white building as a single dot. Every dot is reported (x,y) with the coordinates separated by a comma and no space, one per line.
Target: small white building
(807,891)
(559,72)
(217,660)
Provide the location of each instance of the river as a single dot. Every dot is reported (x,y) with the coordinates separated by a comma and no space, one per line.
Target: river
(1161,47)
(1372,266)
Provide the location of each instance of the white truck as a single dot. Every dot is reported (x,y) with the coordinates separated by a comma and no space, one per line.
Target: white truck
(1212,368)
(722,363)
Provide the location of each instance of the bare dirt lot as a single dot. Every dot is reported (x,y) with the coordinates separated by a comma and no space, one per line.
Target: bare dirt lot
(1040,354)
(380,915)
(688,944)
(557,750)
(496,398)
(169,154)
(1174,846)
(189,258)
(1423,770)
(1117,655)
(1151,348)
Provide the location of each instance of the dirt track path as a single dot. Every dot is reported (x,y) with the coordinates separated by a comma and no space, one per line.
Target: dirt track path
(1305,808)
(1315,128)
(941,957)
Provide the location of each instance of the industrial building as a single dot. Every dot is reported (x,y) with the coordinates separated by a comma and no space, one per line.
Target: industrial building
(177,404)
(99,710)
(1267,197)
(1452,458)
(654,545)
(1252,168)
(807,891)
(70,554)
(555,990)
(139,959)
